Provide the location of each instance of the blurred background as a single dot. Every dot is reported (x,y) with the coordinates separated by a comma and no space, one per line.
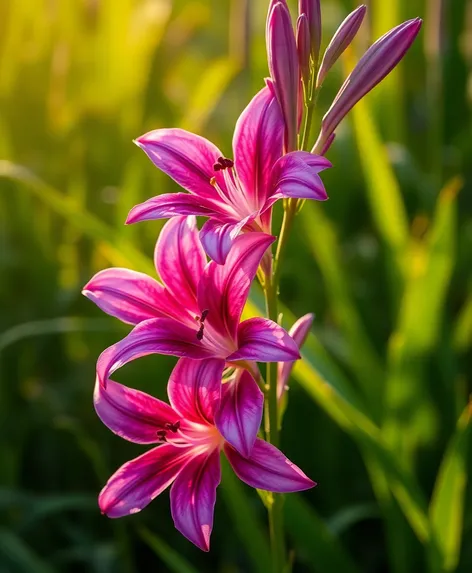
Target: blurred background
(377,411)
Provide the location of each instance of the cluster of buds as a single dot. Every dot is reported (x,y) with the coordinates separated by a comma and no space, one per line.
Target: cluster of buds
(296,67)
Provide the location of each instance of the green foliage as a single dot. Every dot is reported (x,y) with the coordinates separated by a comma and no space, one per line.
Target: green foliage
(377,410)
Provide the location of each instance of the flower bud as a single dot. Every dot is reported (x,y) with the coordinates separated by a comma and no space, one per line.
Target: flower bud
(313,13)
(283,65)
(375,64)
(303,47)
(340,41)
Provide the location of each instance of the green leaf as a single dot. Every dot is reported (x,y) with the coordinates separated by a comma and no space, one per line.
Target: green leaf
(312,537)
(169,556)
(448,500)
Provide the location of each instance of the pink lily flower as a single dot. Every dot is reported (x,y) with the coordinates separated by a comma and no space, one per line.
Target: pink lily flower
(203,419)
(234,195)
(299,333)
(195,312)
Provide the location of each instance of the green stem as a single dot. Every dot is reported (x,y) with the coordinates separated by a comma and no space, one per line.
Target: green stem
(275,508)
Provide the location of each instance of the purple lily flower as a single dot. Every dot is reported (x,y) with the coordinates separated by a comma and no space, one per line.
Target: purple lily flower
(378,61)
(204,418)
(195,312)
(340,41)
(235,196)
(299,333)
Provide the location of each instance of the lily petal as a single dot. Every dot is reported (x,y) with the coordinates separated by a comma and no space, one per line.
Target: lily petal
(298,332)
(223,289)
(217,238)
(267,468)
(257,144)
(193,497)
(172,204)
(128,295)
(131,414)
(296,175)
(263,340)
(180,260)
(154,336)
(139,481)
(240,414)
(194,389)
(184,156)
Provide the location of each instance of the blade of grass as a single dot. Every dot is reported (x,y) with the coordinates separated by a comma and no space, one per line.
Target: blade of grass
(363,357)
(418,329)
(448,500)
(383,194)
(313,538)
(245,520)
(125,255)
(171,558)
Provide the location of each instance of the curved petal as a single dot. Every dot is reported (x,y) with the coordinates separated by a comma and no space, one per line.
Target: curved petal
(267,468)
(184,156)
(263,340)
(240,414)
(131,414)
(193,497)
(172,204)
(194,389)
(139,481)
(296,175)
(155,336)
(298,332)
(180,260)
(257,144)
(217,238)
(224,289)
(128,295)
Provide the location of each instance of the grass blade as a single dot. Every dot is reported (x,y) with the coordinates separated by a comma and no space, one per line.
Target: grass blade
(173,560)
(448,501)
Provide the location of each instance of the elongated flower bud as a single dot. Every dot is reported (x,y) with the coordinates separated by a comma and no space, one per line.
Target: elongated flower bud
(283,65)
(303,47)
(375,64)
(341,40)
(313,12)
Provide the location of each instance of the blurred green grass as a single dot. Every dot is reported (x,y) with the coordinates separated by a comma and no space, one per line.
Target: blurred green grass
(385,265)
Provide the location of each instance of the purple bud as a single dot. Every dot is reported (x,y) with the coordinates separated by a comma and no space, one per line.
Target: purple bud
(341,40)
(313,12)
(283,66)
(303,47)
(375,64)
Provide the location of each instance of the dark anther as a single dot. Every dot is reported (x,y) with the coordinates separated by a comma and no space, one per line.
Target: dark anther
(161,435)
(222,163)
(173,427)
(201,319)
(200,332)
